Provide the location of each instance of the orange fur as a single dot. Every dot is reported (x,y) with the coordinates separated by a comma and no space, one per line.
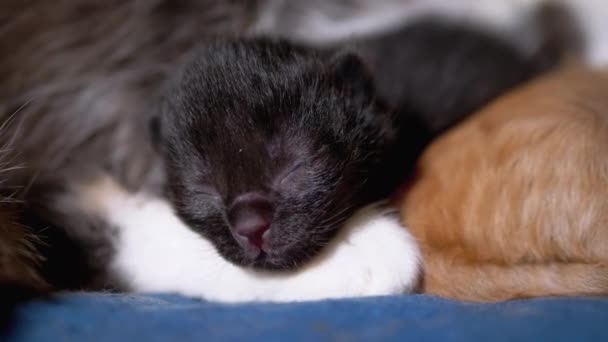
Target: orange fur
(18,256)
(513,202)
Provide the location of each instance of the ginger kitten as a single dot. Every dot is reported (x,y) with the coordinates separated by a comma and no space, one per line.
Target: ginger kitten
(511,203)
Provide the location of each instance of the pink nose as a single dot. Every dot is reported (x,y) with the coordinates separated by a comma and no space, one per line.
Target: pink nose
(252,227)
(250,217)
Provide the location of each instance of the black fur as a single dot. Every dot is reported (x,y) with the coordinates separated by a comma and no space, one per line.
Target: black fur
(307,130)
(444,71)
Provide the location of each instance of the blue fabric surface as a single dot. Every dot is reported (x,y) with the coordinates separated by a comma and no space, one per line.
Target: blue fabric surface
(108,317)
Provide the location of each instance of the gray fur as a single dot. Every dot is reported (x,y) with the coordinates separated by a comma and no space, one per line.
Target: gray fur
(83,75)
(88,71)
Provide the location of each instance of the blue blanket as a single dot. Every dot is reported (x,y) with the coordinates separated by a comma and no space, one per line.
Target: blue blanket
(110,317)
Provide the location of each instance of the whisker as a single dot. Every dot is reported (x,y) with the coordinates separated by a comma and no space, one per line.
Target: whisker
(13,168)
(10,118)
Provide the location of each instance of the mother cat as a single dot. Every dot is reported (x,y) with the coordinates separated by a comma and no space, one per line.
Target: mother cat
(512,202)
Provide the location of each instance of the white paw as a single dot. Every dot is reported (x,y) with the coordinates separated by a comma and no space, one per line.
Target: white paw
(372,255)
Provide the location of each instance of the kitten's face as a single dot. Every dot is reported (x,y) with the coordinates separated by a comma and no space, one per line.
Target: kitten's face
(269,149)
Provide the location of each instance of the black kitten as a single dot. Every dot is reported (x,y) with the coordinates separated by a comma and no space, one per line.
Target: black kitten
(270,147)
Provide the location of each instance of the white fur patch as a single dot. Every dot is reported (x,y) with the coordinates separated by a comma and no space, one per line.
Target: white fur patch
(372,255)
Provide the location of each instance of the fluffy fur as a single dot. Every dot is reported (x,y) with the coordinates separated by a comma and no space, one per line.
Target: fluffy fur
(84,76)
(511,203)
(18,259)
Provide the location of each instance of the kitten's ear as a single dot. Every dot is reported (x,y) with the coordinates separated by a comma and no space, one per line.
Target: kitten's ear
(350,70)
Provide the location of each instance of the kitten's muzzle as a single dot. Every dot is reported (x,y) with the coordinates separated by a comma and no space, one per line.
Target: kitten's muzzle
(250,217)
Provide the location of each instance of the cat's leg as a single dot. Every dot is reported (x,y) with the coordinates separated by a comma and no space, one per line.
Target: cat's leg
(453,276)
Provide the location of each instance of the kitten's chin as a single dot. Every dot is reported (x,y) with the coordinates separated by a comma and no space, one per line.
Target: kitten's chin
(278,263)
(286,260)
(272,255)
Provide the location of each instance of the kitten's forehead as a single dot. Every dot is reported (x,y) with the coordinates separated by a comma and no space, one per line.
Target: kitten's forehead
(250,158)
(257,108)
(247,87)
